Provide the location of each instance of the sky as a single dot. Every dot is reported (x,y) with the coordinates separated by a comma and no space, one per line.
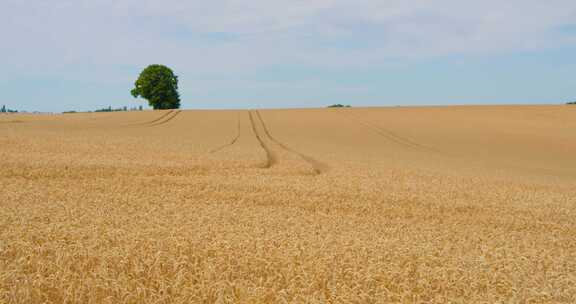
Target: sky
(61,55)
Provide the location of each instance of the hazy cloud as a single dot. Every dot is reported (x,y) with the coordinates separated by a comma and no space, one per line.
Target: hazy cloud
(320,31)
(218,38)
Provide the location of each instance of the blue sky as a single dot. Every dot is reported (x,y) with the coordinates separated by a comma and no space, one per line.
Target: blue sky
(82,55)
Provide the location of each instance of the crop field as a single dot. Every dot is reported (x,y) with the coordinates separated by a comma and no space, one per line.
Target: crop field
(460,204)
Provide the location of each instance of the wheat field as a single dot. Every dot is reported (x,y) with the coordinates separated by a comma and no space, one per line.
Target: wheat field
(460,204)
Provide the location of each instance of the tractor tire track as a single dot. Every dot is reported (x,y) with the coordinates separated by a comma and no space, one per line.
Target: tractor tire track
(271,157)
(175,113)
(157,119)
(393,137)
(234,140)
(316,165)
(406,140)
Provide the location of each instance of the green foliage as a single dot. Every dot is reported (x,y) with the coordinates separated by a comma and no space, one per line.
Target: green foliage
(108,109)
(571,103)
(339,106)
(158,85)
(6,110)
(121,109)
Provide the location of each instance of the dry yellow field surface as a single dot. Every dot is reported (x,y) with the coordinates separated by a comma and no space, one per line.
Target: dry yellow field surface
(462,204)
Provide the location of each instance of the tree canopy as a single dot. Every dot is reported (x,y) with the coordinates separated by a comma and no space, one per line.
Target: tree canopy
(158,85)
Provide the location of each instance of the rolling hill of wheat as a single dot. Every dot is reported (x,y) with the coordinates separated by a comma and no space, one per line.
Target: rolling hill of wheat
(471,204)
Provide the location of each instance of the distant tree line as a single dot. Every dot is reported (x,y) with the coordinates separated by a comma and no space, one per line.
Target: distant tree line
(339,106)
(571,103)
(110,109)
(122,109)
(6,110)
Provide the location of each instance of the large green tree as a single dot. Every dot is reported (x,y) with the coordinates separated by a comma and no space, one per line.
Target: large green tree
(158,85)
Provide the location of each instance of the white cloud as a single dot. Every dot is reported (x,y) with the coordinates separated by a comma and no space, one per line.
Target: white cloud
(63,33)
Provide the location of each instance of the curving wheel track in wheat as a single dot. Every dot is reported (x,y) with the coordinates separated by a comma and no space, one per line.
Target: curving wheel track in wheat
(165,119)
(390,135)
(271,156)
(265,138)
(233,141)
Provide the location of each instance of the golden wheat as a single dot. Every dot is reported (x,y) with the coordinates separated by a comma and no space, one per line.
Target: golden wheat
(380,205)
